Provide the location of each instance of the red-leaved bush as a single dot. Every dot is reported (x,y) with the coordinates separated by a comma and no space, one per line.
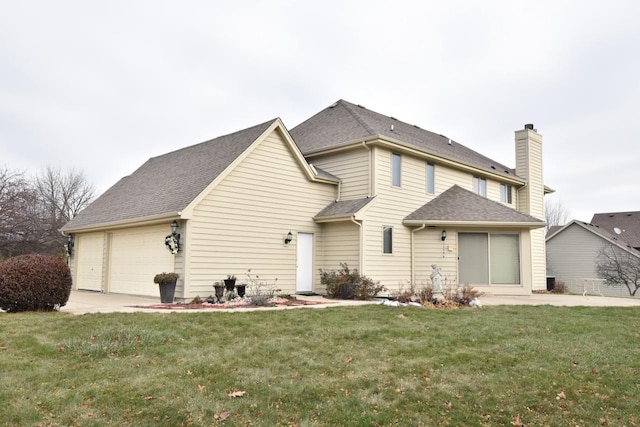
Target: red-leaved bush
(34,283)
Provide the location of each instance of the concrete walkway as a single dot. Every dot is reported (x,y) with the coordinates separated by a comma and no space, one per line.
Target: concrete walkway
(81,302)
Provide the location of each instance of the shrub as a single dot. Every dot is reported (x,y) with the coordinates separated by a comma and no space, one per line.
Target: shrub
(259,291)
(346,281)
(454,296)
(559,288)
(34,283)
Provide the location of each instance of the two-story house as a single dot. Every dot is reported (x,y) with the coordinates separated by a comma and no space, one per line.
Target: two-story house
(347,185)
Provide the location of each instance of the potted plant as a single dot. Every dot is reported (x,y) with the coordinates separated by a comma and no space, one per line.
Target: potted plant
(167,284)
(230,282)
(219,287)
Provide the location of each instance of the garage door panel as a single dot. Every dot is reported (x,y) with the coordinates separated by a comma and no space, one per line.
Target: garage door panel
(90,252)
(136,257)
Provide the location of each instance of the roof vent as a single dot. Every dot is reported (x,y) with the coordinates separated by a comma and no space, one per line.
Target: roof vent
(391,128)
(449,141)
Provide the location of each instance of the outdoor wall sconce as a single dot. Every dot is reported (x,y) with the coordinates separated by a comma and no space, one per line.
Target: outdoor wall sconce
(289,238)
(69,245)
(444,235)
(172,241)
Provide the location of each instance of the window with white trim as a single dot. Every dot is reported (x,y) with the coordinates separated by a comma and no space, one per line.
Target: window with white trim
(489,258)
(387,240)
(431,178)
(505,193)
(396,169)
(480,186)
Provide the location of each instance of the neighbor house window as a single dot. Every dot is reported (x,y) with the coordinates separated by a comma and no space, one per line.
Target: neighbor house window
(431,177)
(489,258)
(505,193)
(480,186)
(396,169)
(387,240)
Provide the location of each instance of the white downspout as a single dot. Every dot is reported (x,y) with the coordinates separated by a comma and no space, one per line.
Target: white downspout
(413,255)
(361,250)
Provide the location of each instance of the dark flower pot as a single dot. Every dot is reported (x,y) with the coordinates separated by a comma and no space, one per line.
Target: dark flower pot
(242,289)
(167,292)
(347,291)
(229,284)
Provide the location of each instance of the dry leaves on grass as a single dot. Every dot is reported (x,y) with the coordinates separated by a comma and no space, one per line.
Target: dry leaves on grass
(222,416)
(517,422)
(237,394)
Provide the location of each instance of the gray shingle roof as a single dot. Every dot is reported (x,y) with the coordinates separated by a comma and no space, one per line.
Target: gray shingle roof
(342,208)
(599,231)
(169,183)
(627,222)
(346,122)
(462,206)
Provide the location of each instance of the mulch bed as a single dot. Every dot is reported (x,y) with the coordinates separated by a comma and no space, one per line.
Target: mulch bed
(279,302)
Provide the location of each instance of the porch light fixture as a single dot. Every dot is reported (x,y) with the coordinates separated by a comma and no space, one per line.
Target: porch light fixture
(444,235)
(69,245)
(289,238)
(174,227)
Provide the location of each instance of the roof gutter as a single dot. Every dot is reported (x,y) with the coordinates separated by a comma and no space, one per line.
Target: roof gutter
(472,224)
(149,220)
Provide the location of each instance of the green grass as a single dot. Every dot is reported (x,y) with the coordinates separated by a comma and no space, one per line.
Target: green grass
(367,365)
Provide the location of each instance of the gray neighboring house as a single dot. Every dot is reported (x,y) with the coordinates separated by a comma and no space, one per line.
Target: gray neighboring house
(572,250)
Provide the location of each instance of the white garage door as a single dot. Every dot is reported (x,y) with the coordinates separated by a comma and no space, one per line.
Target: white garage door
(136,256)
(89,249)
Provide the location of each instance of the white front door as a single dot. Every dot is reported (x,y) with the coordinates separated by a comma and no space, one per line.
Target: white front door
(304,271)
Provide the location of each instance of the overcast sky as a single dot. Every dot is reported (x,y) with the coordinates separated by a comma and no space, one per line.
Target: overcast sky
(100,87)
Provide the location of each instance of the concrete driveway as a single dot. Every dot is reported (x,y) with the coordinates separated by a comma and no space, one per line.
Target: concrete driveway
(81,302)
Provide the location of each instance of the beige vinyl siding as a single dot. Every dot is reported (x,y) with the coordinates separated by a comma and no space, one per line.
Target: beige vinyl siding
(430,249)
(89,262)
(340,243)
(352,168)
(391,206)
(242,223)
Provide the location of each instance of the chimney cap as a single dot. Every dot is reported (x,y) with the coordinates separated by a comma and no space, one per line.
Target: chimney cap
(529,126)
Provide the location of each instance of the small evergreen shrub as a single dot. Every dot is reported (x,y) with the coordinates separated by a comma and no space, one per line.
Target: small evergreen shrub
(34,283)
(350,283)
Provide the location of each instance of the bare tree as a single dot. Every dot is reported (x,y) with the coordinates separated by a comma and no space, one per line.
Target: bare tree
(32,212)
(17,203)
(555,213)
(63,194)
(619,267)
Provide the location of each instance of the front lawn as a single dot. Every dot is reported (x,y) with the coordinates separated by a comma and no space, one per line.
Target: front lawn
(366,365)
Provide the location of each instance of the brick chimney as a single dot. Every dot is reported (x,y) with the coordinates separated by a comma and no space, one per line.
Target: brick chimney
(531,197)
